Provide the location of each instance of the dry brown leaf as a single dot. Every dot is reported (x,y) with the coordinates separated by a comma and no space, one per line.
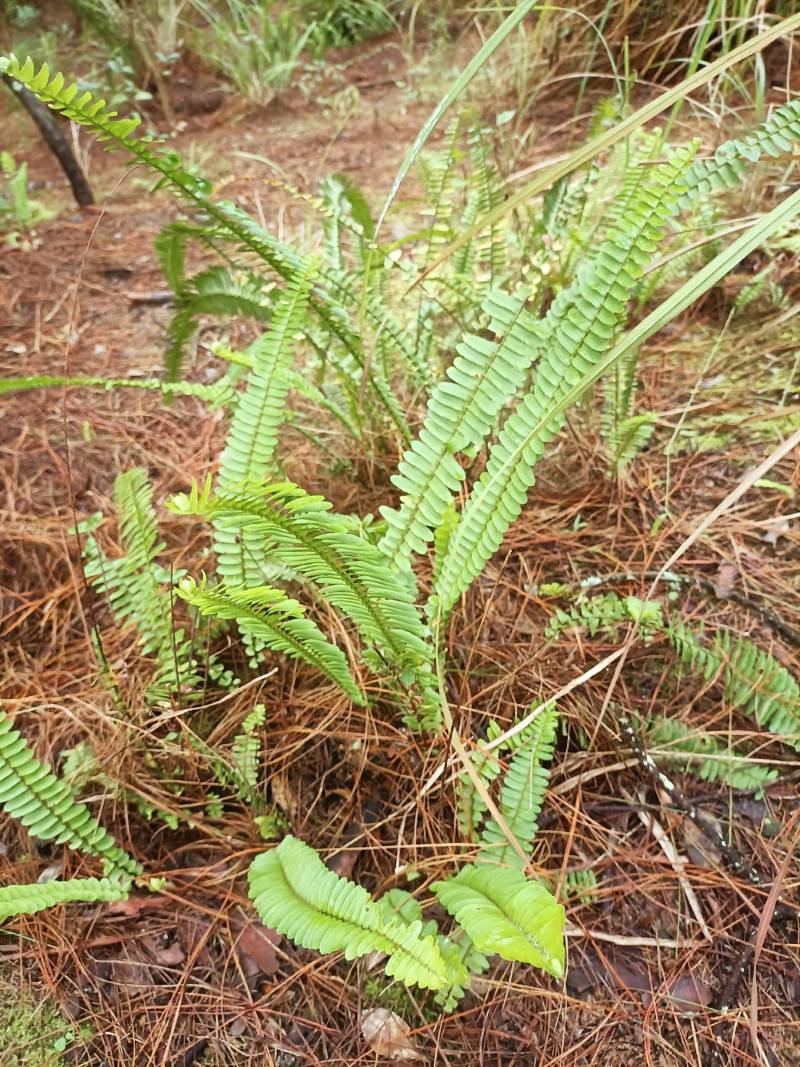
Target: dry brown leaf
(724,581)
(388,1035)
(256,944)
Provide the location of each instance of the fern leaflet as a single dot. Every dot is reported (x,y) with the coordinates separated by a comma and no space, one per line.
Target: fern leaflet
(28,899)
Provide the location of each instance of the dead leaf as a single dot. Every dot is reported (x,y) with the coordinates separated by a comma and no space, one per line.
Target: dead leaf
(702,850)
(724,580)
(778,527)
(256,945)
(388,1035)
(164,955)
(131,907)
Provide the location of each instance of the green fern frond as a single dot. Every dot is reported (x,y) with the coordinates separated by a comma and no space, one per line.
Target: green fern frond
(712,762)
(733,160)
(276,622)
(245,752)
(584,325)
(522,793)
(462,411)
(137,589)
(606,612)
(249,453)
(28,899)
(581,886)
(353,574)
(214,291)
(503,912)
(46,807)
(753,680)
(171,244)
(295,893)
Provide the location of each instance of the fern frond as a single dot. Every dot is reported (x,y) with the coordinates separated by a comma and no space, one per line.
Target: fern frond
(753,680)
(702,755)
(46,807)
(733,160)
(295,893)
(503,912)
(461,413)
(28,899)
(522,793)
(605,612)
(353,574)
(277,622)
(245,753)
(170,245)
(584,325)
(214,291)
(249,453)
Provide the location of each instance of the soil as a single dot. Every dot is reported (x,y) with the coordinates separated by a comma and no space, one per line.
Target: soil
(184,975)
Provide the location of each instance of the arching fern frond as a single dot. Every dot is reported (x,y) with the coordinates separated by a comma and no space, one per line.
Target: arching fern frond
(276,622)
(503,912)
(295,893)
(46,807)
(585,321)
(220,394)
(28,899)
(461,413)
(522,793)
(352,573)
(249,453)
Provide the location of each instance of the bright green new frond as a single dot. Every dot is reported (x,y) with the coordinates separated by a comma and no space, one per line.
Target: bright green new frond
(249,453)
(713,761)
(352,573)
(522,793)
(503,912)
(753,680)
(28,899)
(295,893)
(462,411)
(584,326)
(46,807)
(276,622)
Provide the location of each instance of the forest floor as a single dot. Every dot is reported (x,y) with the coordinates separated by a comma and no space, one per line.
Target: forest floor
(185,975)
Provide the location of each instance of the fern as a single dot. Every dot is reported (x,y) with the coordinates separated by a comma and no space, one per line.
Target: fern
(504,913)
(295,893)
(246,748)
(522,794)
(249,453)
(461,413)
(585,321)
(46,807)
(28,899)
(214,291)
(606,612)
(276,622)
(733,159)
(220,394)
(581,886)
(700,754)
(136,588)
(753,680)
(352,574)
